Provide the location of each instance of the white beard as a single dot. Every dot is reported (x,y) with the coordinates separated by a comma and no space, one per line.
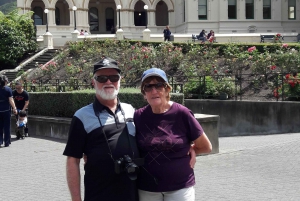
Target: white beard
(107,95)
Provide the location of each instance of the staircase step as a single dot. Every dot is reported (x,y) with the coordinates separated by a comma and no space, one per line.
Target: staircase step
(42,59)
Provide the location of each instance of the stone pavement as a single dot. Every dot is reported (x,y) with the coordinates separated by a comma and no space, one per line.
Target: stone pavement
(260,168)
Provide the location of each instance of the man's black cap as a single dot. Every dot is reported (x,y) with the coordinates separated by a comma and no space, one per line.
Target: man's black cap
(106,63)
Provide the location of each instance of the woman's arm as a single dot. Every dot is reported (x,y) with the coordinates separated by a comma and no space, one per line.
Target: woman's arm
(202,145)
(12,103)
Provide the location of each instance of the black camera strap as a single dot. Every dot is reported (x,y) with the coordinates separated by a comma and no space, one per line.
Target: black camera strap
(97,114)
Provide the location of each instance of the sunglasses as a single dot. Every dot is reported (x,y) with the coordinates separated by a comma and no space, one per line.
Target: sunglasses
(158,86)
(104,78)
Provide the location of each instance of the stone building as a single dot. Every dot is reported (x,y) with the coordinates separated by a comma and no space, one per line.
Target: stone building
(183,16)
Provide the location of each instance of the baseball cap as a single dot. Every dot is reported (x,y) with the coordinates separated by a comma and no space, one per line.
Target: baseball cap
(106,63)
(154,72)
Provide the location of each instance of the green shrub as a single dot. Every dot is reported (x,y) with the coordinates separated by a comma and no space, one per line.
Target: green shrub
(16,36)
(65,104)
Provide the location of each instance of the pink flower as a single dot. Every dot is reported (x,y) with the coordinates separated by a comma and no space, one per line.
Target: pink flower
(273,67)
(285,45)
(287,76)
(132,47)
(251,49)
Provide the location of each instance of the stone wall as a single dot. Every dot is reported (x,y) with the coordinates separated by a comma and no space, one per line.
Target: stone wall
(238,118)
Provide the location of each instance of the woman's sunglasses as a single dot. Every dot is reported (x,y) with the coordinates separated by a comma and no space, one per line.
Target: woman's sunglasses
(158,86)
(104,78)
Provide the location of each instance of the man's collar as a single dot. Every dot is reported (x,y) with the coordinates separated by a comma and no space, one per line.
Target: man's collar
(99,106)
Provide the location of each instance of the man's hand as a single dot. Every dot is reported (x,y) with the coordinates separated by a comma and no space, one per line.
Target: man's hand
(192,153)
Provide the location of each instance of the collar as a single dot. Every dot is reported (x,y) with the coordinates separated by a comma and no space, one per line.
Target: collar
(99,107)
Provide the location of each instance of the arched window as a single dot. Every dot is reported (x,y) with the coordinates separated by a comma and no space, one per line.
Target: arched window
(161,14)
(139,14)
(38,16)
(110,21)
(94,19)
(57,16)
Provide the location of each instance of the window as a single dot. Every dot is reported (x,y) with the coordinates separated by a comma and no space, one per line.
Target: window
(249,9)
(94,20)
(231,9)
(183,10)
(202,9)
(38,16)
(110,19)
(57,16)
(292,9)
(267,9)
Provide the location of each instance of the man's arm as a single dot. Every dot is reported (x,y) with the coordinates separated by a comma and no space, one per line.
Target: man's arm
(73,177)
(25,105)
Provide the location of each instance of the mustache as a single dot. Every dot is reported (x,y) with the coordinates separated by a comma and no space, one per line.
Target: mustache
(108,86)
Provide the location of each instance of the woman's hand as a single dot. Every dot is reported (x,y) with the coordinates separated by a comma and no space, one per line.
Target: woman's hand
(192,153)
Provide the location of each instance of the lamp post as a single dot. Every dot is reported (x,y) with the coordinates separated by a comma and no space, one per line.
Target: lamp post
(146,8)
(74,9)
(119,8)
(46,11)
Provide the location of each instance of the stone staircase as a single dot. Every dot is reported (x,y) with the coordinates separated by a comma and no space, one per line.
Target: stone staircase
(42,59)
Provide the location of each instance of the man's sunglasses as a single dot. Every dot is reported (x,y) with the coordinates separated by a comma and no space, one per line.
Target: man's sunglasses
(104,78)
(158,86)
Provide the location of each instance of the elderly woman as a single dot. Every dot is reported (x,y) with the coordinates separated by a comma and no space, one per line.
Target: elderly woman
(165,131)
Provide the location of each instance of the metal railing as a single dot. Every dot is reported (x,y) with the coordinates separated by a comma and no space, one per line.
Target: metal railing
(272,86)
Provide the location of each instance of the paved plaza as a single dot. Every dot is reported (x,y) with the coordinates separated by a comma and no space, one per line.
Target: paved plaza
(263,168)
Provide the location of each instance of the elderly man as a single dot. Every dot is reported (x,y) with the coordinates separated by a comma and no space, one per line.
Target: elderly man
(103,131)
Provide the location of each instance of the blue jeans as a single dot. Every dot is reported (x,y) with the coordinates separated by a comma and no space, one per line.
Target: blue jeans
(5,126)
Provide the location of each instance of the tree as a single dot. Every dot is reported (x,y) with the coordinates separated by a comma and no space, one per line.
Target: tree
(17,36)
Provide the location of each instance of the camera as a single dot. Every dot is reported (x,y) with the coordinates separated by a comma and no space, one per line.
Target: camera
(127,165)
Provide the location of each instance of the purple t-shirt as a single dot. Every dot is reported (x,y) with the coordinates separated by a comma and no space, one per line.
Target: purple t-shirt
(164,141)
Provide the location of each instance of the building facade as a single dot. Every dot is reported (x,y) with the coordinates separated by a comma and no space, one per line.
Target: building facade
(183,16)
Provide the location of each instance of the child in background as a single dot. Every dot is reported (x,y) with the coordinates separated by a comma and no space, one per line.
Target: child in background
(21,122)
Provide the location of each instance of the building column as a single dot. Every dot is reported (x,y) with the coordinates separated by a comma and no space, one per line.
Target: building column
(151,18)
(51,17)
(171,18)
(224,11)
(258,10)
(241,10)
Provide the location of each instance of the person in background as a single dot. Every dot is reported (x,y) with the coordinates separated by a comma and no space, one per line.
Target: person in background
(112,30)
(6,100)
(165,132)
(104,132)
(202,36)
(212,37)
(209,34)
(167,33)
(21,124)
(21,99)
(81,32)
(86,33)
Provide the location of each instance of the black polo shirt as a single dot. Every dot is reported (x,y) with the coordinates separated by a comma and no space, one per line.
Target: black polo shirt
(86,136)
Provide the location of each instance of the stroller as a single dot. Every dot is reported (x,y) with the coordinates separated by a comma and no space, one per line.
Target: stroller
(21,125)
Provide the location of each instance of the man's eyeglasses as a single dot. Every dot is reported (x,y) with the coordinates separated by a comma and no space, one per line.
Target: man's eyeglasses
(104,78)
(158,86)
